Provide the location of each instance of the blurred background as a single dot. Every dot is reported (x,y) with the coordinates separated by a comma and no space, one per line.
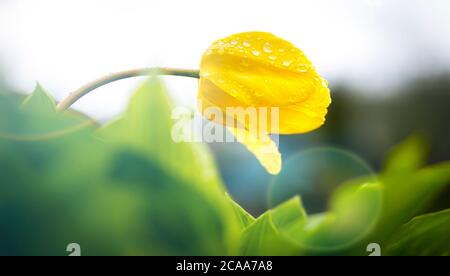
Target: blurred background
(387,62)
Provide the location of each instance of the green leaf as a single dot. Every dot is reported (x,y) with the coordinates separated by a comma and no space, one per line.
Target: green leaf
(408,194)
(40,101)
(270,233)
(408,189)
(354,210)
(244,218)
(408,156)
(146,128)
(261,238)
(426,235)
(132,193)
(289,217)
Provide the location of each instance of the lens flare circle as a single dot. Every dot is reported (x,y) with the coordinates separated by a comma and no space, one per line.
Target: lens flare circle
(339,191)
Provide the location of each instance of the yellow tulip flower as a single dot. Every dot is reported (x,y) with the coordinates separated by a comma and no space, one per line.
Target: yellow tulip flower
(258,69)
(257,74)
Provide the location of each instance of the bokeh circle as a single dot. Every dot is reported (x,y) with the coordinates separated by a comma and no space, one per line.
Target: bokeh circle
(339,192)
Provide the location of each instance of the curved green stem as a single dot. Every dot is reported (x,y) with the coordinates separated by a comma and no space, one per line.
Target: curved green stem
(85,89)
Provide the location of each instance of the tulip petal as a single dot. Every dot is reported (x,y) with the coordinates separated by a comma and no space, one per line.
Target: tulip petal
(264,148)
(259,68)
(305,116)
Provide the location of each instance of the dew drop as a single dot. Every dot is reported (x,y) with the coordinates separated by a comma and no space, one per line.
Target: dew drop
(256,52)
(302,69)
(246,43)
(267,48)
(234,42)
(286,63)
(281,50)
(272,57)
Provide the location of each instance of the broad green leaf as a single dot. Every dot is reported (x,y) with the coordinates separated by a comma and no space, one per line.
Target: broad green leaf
(146,127)
(289,217)
(40,101)
(261,238)
(407,189)
(353,211)
(270,233)
(244,218)
(18,120)
(408,156)
(426,235)
(111,197)
(406,195)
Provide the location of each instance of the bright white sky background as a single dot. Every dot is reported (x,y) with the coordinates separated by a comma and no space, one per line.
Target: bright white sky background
(374,44)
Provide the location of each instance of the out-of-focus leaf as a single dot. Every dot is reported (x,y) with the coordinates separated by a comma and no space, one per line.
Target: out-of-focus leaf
(36,119)
(289,217)
(261,238)
(424,235)
(407,194)
(407,188)
(174,218)
(146,128)
(354,210)
(40,101)
(113,197)
(408,156)
(244,218)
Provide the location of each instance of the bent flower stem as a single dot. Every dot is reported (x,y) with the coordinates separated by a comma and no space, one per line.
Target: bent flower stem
(85,89)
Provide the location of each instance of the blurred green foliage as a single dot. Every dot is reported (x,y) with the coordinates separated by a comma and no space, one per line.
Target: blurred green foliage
(127,189)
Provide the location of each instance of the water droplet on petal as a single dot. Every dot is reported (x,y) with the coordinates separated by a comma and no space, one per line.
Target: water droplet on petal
(281,50)
(272,57)
(256,52)
(246,43)
(234,42)
(267,48)
(287,63)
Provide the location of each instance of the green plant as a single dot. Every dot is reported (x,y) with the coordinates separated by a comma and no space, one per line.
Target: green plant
(127,188)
